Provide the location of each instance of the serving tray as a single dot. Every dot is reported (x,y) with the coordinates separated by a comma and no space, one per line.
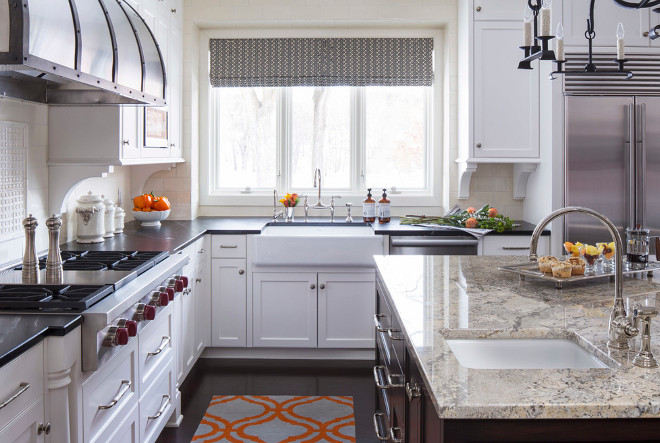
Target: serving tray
(531,269)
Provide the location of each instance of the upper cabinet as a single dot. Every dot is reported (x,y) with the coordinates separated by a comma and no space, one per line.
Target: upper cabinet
(498,103)
(607,15)
(127,135)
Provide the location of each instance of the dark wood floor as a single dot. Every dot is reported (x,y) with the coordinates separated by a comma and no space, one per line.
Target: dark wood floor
(274,377)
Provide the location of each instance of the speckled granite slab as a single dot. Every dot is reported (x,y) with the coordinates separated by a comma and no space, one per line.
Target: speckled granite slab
(467,297)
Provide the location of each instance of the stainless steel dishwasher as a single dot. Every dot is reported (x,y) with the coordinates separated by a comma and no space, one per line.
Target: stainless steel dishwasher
(463,244)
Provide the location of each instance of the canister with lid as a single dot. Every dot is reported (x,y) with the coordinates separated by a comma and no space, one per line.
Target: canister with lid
(90,221)
(120,215)
(109,217)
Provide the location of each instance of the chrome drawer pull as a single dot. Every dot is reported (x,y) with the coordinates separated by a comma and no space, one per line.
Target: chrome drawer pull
(379,327)
(391,335)
(228,246)
(377,427)
(413,391)
(391,384)
(161,348)
(393,436)
(163,406)
(515,248)
(377,377)
(22,387)
(126,387)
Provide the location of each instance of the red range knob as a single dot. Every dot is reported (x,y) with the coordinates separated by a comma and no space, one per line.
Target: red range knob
(184,279)
(131,327)
(149,312)
(163,299)
(170,293)
(121,336)
(178,286)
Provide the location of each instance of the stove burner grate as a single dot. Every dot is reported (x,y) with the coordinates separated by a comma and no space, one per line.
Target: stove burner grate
(49,297)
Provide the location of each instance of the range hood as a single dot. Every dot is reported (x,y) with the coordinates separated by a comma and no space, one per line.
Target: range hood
(79,52)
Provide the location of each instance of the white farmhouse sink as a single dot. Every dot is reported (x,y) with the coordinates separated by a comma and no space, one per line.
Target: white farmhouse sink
(522,353)
(317,245)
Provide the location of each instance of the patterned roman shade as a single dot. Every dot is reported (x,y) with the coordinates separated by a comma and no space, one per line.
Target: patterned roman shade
(278,62)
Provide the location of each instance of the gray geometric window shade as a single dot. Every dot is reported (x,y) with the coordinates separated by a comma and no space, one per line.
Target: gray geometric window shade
(280,62)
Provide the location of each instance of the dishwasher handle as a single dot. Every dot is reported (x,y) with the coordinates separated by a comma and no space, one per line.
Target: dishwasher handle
(422,242)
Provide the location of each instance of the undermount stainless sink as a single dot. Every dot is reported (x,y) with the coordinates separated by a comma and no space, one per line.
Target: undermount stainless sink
(322,244)
(522,353)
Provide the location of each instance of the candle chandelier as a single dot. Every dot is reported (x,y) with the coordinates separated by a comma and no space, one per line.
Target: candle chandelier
(537,41)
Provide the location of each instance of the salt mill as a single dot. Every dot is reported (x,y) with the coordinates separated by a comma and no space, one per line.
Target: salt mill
(30,272)
(54,259)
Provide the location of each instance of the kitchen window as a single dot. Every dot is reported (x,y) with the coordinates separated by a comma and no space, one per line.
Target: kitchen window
(269,130)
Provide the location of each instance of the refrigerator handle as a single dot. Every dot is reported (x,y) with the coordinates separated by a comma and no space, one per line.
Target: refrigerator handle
(640,153)
(629,156)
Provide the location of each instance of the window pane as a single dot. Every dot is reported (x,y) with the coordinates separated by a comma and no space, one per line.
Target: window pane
(395,137)
(246,140)
(321,136)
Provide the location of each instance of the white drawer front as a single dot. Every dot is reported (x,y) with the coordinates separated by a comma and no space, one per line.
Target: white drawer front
(228,246)
(513,245)
(109,393)
(156,406)
(22,383)
(155,346)
(126,431)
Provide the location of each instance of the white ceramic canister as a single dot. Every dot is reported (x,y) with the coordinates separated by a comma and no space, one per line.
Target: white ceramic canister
(90,221)
(120,215)
(109,217)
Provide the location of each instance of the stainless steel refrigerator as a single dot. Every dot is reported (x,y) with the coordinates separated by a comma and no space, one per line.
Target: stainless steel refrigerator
(612,164)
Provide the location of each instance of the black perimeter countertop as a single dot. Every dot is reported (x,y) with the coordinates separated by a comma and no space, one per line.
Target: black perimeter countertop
(173,235)
(25,330)
(22,331)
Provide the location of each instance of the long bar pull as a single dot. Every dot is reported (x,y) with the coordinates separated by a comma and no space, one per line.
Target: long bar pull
(126,386)
(640,207)
(163,406)
(161,348)
(22,387)
(630,166)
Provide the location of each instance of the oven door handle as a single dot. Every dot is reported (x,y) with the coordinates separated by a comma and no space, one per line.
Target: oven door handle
(421,242)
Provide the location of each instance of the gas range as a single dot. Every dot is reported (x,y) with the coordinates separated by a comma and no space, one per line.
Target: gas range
(116,292)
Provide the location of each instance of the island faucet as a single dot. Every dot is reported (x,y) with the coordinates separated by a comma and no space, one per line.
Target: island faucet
(621,327)
(317,177)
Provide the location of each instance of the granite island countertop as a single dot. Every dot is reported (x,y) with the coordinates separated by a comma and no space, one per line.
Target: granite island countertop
(438,297)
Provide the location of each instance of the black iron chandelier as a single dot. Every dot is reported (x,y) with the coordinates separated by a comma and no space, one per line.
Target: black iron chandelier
(537,41)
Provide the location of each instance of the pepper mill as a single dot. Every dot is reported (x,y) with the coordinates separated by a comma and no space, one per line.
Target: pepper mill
(54,259)
(30,270)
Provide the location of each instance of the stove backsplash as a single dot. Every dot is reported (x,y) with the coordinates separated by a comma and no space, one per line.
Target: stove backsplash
(36,117)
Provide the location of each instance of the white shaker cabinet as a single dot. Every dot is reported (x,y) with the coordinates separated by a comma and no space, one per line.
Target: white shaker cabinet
(203,295)
(607,16)
(505,99)
(229,302)
(284,309)
(27,427)
(345,310)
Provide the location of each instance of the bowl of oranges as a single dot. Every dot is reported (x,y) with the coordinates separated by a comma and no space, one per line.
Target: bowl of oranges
(150,209)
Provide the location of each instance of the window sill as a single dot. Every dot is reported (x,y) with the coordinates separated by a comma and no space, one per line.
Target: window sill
(266,200)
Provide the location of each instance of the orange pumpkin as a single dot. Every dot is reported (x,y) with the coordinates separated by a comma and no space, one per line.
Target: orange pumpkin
(161,204)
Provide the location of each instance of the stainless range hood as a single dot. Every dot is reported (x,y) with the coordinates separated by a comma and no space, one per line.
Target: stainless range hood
(79,52)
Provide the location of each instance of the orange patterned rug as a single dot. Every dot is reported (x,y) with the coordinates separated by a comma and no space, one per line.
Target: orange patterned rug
(277,419)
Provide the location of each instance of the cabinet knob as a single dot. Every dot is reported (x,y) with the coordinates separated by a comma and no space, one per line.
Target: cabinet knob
(43,429)
(124,142)
(241,271)
(645,34)
(198,280)
(478,145)
(312,286)
(172,145)
(478,8)
(322,286)
(173,11)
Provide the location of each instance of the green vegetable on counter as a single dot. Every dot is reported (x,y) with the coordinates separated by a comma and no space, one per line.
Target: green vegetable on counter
(483,218)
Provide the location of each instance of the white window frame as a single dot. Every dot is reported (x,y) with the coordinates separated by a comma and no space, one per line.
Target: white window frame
(434,136)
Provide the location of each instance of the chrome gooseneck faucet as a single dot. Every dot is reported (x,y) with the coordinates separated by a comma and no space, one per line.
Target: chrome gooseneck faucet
(621,327)
(317,178)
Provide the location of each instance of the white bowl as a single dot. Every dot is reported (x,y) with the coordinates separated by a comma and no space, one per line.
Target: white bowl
(152,218)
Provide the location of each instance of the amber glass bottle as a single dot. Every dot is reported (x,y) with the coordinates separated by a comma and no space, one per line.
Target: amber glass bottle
(384,209)
(369,209)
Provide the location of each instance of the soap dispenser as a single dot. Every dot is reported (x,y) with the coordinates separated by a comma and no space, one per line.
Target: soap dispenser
(369,209)
(384,209)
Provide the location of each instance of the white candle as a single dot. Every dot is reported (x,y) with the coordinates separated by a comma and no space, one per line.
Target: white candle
(560,43)
(620,51)
(545,18)
(527,32)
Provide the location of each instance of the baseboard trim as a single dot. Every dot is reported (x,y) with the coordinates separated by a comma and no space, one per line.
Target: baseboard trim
(290,354)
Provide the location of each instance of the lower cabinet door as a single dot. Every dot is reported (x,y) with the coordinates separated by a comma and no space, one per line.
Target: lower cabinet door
(156,406)
(284,310)
(25,427)
(229,302)
(346,310)
(126,431)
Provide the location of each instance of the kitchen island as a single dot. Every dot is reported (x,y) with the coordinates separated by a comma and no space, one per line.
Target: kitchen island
(434,298)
